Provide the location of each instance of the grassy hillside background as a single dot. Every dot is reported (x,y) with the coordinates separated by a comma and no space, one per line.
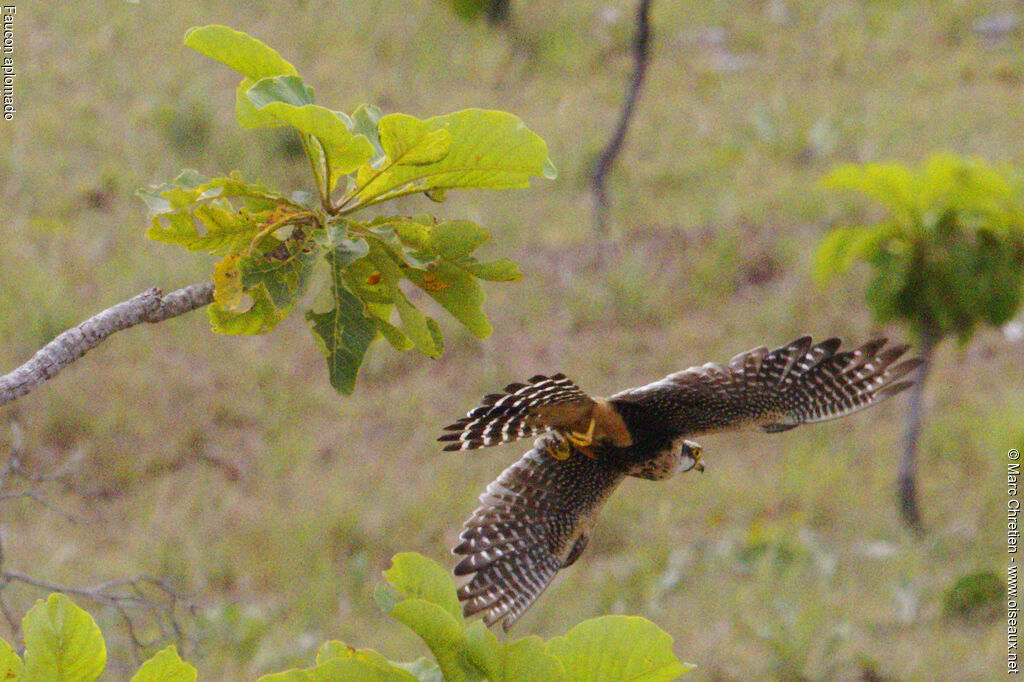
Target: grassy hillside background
(231,467)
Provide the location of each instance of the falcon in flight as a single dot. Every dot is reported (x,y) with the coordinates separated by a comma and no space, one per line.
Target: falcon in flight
(537,518)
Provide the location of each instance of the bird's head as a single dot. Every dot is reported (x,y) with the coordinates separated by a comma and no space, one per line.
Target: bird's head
(691,453)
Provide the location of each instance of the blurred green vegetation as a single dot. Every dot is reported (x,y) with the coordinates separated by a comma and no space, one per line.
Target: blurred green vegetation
(232,467)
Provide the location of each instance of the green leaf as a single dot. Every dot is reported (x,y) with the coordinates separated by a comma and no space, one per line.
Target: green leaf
(457,292)
(488,150)
(500,270)
(484,650)
(940,256)
(247,115)
(290,90)
(384,597)
(344,333)
(241,52)
(527,660)
(423,331)
(283,267)
(62,642)
(364,122)
(450,273)
(200,216)
(11,667)
(331,650)
(345,250)
(442,634)
(383,668)
(345,151)
(457,239)
(617,648)
(381,313)
(408,141)
(261,317)
(342,670)
(227,282)
(191,188)
(891,184)
(423,669)
(522,660)
(165,666)
(415,576)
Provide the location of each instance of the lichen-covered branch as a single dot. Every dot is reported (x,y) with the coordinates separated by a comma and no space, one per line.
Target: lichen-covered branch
(641,57)
(149,306)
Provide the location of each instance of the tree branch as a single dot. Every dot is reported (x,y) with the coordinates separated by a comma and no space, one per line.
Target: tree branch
(149,306)
(141,601)
(141,593)
(641,57)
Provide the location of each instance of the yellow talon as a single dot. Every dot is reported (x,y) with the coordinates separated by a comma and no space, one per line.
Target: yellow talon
(582,440)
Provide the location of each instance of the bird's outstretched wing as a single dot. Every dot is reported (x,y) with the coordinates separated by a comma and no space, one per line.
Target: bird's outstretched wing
(523,409)
(534,520)
(774,390)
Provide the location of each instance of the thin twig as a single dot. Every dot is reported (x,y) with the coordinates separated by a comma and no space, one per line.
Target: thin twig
(641,57)
(120,595)
(149,306)
(35,495)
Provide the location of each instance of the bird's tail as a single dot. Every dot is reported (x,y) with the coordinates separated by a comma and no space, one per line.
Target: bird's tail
(517,413)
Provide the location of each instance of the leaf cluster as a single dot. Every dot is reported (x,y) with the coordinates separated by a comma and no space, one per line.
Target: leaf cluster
(947,255)
(422,597)
(64,644)
(270,246)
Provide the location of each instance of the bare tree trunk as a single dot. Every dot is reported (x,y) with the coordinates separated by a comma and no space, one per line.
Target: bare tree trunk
(907,481)
(641,57)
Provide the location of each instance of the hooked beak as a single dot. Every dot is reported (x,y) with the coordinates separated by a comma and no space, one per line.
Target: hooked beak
(695,452)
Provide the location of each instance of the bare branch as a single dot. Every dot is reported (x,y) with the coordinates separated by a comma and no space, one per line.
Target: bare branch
(141,593)
(141,600)
(149,306)
(641,57)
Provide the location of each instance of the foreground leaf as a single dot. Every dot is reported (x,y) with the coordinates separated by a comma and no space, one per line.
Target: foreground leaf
(62,642)
(11,667)
(415,576)
(617,648)
(342,670)
(166,666)
(443,635)
(521,660)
